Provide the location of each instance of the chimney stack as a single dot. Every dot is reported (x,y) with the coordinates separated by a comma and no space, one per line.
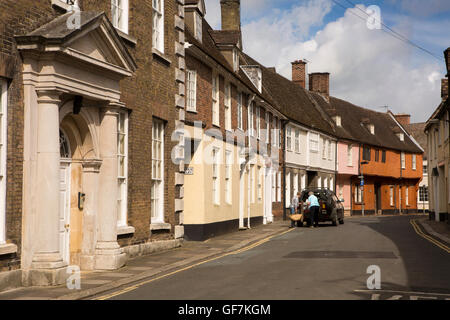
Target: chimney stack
(447,60)
(320,83)
(299,73)
(404,119)
(231,15)
(444,89)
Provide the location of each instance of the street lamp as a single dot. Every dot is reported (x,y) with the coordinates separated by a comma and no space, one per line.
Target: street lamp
(362,185)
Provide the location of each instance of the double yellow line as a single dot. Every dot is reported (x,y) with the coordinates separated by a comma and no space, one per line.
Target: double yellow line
(427,237)
(136,286)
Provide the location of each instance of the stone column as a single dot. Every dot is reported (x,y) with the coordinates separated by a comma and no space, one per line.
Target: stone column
(47,265)
(109,255)
(91,172)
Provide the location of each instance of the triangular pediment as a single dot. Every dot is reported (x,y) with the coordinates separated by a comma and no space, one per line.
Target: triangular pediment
(96,46)
(88,36)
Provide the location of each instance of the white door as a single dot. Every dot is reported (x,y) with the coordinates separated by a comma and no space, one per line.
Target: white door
(64,210)
(241,199)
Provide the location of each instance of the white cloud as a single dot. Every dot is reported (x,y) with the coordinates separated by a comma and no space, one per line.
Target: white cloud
(368,67)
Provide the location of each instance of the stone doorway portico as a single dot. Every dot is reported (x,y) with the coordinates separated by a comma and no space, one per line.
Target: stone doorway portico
(71,83)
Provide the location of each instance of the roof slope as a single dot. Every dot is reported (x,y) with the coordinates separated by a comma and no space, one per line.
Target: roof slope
(292,100)
(417,130)
(385,136)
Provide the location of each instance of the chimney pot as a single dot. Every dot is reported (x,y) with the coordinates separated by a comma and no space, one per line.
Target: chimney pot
(299,73)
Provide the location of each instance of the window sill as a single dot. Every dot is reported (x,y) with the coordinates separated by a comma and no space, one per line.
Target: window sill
(160,226)
(158,54)
(7,249)
(125,230)
(129,39)
(192,111)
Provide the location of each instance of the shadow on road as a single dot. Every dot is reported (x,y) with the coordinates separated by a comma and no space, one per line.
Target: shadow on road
(427,266)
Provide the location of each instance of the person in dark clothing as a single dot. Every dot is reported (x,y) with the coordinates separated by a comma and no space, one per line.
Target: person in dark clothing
(314,206)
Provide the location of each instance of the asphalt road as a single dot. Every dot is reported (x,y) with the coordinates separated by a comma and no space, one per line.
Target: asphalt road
(324,263)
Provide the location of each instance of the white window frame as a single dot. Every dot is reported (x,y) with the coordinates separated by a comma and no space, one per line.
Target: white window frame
(228,177)
(303,182)
(297,140)
(216,175)
(158,25)
(324,148)
(235,60)
(157,194)
(314,139)
(319,182)
(267,119)
(414,162)
(289,138)
(349,155)
(325,183)
(122,172)
(279,133)
(240,117)
(332,184)
(330,150)
(250,118)
(258,122)
(403,159)
(215,100)
(227,104)
(274,132)
(119,14)
(191,90)
(198,26)
(3,157)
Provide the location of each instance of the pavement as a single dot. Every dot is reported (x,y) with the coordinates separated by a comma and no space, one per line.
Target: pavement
(151,266)
(438,230)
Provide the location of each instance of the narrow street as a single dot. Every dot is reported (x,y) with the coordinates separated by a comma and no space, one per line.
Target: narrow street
(323,263)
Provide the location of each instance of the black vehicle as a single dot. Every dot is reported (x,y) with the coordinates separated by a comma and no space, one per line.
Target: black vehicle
(331,208)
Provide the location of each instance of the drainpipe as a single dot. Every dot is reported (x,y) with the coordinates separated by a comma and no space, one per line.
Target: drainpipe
(336,165)
(283,125)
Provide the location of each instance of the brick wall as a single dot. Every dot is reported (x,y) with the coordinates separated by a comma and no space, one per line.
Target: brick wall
(16,17)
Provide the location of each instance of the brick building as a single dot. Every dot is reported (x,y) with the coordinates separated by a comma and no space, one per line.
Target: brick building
(232,149)
(91,92)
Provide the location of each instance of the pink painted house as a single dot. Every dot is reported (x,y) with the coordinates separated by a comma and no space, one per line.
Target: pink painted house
(348,160)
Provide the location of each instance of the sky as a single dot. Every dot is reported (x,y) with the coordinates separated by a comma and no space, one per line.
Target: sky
(369,67)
